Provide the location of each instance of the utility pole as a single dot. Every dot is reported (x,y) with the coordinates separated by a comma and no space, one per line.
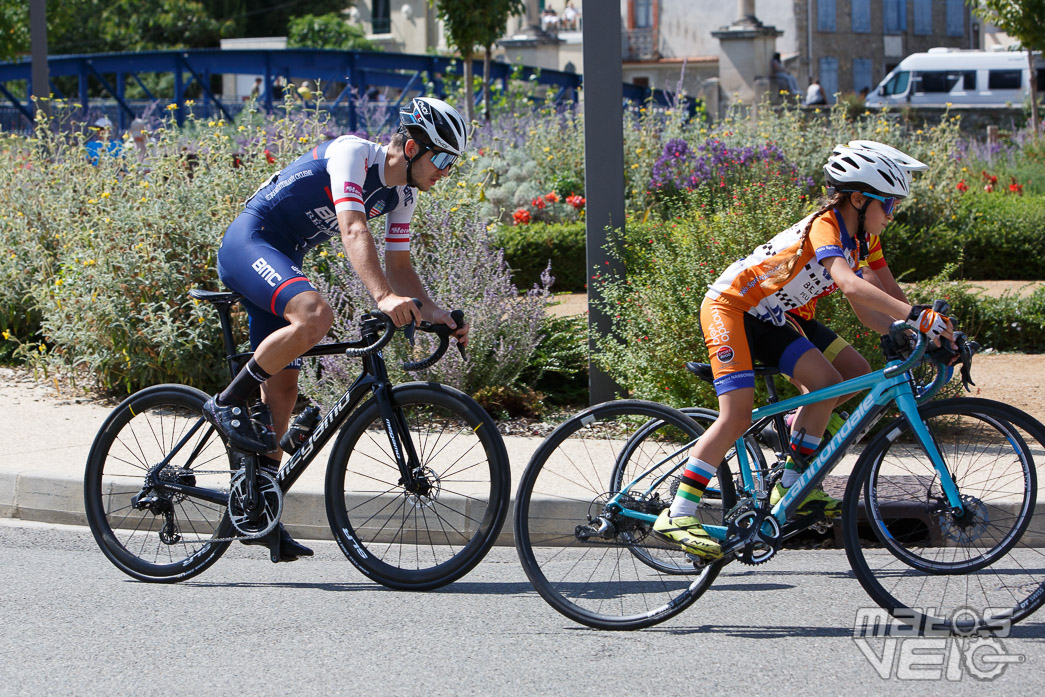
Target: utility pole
(603,167)
(40,77)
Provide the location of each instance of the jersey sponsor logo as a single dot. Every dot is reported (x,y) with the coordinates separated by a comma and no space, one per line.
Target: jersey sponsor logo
(353,188)
(266,271)
(408,195)
(287,182)
(724,355)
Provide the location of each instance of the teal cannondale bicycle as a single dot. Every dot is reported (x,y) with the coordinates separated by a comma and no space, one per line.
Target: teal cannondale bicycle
(937,519)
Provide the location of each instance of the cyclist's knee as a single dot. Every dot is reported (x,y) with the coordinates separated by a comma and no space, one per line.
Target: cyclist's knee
(310,315)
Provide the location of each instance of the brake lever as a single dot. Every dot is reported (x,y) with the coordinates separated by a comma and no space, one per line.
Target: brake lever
(410,328)
(458,318)
(966,349)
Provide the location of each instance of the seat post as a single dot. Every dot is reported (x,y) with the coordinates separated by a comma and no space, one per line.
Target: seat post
(224,316)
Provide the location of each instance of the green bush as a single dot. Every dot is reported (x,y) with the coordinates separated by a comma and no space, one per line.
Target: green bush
(529,249)
(986,236)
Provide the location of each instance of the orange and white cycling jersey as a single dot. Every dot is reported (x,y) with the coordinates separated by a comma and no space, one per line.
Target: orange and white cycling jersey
(875,260)
(744,284)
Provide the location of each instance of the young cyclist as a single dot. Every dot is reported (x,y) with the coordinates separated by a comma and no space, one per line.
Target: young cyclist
(745,315)
(874,268)
(334,188)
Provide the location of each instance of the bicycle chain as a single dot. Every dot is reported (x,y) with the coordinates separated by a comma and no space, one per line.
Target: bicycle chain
(226,491)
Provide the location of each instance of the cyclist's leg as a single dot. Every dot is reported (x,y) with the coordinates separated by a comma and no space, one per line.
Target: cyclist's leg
(727,343)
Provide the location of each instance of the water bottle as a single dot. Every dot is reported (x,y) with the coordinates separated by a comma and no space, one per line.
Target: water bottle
(300,430)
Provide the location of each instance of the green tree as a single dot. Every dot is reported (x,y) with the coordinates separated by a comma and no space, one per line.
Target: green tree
(465,29)
(1024,20)
(327,31)
(14,28)
(494,22)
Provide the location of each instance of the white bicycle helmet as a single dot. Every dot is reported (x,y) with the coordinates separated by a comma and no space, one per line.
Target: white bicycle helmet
(901,158)
(866,170)
(435,123)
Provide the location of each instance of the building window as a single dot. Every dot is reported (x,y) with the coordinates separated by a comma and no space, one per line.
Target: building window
(861,16)
(894,16)
(829,77)
(923,17)
(643,13)
(825,15)
(955,17)
(381,17)
(863,74)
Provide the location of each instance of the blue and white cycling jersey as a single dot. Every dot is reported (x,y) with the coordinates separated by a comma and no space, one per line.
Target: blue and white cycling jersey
(300,203)
(295,210)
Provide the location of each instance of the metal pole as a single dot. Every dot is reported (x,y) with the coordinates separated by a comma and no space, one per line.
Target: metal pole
(603,167)
(38,46)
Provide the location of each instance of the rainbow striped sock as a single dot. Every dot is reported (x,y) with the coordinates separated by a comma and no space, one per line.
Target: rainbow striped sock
(694,480)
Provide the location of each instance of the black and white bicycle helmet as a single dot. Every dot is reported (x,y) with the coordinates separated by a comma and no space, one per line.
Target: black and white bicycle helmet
(435,123)
(866,170)
(899,157)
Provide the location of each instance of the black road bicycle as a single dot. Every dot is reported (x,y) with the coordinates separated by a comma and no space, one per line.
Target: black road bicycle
(417,482)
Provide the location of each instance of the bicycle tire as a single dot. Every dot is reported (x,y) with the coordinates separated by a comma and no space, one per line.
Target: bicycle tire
(139,433)
(927,568)
(424,541)
(565,487)
(719,497)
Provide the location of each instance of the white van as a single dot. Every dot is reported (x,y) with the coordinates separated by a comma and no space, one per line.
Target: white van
(957,76)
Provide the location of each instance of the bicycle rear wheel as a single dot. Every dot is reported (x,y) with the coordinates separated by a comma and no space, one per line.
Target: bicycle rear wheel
(590,562)
(927,566)
(435,534)
(654,473)
(164,537)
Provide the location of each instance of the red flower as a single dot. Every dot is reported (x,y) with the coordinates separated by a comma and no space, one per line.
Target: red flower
(538,202)
(575,201)
(268,156)
(962,186)
(551,197)
(522,216)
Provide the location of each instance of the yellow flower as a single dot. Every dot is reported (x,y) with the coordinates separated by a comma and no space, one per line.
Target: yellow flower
(461,184)
(145,185)
(105,194)
(143,199)
(303,139)
(92,200)
(57,282)
(242,128)
(547,150)
(635,166)
(453,209)
(323,253)
(190,102)
(6,335)
(172,107)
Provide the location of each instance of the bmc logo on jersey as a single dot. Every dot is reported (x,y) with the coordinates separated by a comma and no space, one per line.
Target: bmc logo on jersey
(724,355)
(266,272)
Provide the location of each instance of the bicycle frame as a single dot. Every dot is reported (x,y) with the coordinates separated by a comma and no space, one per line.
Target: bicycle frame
(373,379)
(891,385)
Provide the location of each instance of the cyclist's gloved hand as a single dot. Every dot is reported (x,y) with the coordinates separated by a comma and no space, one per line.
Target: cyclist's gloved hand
(929,322)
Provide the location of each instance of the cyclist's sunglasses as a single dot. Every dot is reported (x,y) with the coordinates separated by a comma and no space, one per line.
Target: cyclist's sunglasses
(440,158)
(888,202)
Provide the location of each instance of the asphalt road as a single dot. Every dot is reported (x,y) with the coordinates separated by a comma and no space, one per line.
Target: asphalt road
(71,624)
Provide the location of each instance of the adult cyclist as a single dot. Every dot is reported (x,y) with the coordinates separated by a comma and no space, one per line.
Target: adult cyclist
(334,188)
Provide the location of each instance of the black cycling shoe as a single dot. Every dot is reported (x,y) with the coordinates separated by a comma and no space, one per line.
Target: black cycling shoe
(234,423)
(282,547)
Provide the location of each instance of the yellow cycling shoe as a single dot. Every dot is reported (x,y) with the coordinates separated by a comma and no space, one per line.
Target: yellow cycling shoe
(816,501)
(688,534)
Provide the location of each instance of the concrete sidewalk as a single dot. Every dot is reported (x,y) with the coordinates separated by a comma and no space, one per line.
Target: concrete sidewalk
(50,436)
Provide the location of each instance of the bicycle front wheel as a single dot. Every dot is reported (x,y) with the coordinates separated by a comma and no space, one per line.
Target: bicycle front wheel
(933,567)
(148,533)
(582,551)
(435,531)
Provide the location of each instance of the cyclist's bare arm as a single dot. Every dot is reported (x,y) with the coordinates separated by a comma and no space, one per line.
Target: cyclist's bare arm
(405,281)
(362,254)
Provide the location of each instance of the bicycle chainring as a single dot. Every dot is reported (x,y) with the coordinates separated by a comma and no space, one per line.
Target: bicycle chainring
(758,531)
(265,517)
